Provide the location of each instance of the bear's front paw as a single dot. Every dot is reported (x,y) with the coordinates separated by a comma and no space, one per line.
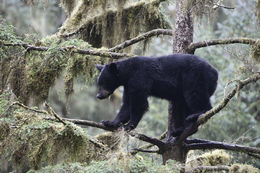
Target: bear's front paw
(110,124)
(129,127)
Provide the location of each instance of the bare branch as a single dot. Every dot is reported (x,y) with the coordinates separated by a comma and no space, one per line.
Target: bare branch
(155,32)
(144,150)
(206,116)
(209,168)
(145,138)
(162,136)
(221,145)
(193,46)
(73,49)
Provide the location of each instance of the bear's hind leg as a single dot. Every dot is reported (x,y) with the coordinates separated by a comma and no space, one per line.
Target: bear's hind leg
(177,113)
(198,103)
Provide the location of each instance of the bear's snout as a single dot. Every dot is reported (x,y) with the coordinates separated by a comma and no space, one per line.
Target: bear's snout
(103,94)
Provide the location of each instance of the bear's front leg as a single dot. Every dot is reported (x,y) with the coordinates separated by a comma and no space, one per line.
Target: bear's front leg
(122,117)
(138,106)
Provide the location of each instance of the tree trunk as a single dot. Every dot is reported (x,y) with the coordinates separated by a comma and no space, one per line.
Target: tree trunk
(182,38)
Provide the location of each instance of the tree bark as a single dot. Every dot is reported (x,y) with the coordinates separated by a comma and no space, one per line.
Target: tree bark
(182,38)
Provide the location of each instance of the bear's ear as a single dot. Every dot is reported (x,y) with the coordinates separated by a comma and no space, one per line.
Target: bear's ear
(113,68)
(99,67)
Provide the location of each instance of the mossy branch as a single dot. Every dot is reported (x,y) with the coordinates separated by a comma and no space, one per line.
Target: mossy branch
(73,49)
(206,116)
(209,168)
(155,32)
(193,46)
(142,137)
(255,152)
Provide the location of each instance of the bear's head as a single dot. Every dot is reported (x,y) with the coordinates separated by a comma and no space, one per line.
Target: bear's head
(107,80)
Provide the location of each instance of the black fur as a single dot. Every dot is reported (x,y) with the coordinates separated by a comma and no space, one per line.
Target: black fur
(187,81)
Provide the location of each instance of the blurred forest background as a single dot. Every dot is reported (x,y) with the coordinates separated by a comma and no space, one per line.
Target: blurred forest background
(238,123)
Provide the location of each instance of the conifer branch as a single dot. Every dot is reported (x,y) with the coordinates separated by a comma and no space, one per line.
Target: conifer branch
(193,46)
(101,53)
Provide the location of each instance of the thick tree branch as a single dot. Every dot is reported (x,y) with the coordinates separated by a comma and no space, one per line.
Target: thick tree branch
(193,46)
(206,116)
(73,49)
(221,145)
(145,147)
(145,138)
(141,37)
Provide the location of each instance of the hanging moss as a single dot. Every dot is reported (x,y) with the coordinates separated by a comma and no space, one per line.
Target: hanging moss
(107,23)
(257,12)
(243,168)
(31,74)
(255,52)
(28,141)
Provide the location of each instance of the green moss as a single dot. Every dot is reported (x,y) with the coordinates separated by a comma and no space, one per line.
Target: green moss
(255,52)
(129,165)
(96,21)
(213,158)
(28,141)
(31,74)
(242,168)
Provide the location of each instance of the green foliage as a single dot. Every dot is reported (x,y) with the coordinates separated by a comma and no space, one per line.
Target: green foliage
(124,165)
(31,73)
(29,141)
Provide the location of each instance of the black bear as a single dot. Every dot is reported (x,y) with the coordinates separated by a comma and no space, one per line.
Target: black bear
(185,80)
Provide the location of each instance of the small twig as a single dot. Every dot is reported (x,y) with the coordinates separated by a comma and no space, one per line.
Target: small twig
(216,5)
(25,107)
(52,112)
(141,37)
